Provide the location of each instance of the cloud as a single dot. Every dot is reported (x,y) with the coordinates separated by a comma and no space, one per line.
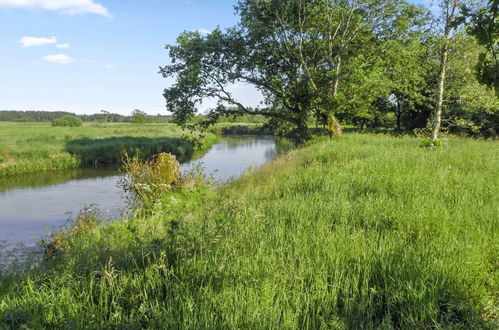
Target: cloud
(66,7)
(36,41)
(111,66)
(59,58)
(62,46)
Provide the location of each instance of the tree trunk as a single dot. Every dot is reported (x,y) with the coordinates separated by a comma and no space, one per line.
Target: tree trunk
(333,126)
(437,113)
(301,133)
(399,115)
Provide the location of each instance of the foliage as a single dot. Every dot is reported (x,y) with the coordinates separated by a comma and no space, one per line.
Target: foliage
(32,116)
(347,234)
(306,58)
(67,121)
(244,130)
(484,25)
(471,108)
(139,117)
(432,144)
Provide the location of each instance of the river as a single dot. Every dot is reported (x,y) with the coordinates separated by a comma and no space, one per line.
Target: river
(35,204)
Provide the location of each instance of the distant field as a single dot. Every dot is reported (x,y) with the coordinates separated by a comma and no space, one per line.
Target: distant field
(32,147)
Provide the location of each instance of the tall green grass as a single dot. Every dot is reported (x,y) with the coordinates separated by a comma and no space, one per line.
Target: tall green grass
(32,147)
(368,231)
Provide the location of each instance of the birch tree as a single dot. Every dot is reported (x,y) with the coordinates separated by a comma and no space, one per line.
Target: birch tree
(449,11)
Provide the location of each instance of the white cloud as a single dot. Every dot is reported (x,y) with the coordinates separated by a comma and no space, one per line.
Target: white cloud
(36,41)
(111,66)
(62,46)
(200,30)
(67,7)
(59,58)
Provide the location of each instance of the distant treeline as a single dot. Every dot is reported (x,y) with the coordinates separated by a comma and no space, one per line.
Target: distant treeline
(48,116)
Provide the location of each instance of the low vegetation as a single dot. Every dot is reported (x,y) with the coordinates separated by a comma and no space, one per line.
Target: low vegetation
(32,147)
(369,231)
(67,121)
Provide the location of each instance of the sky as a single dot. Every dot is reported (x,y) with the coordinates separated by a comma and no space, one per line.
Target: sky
(84,56)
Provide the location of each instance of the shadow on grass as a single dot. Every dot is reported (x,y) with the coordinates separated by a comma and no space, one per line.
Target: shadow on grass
(379,130)
(99,152)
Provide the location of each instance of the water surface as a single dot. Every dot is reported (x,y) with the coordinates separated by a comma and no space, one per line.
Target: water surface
(32,205)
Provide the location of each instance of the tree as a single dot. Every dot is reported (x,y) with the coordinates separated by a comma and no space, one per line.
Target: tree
(106,115)
(449,10)
(484,26)
(67,121)
(139,117)
(471,107)
(307,58)
(398,85)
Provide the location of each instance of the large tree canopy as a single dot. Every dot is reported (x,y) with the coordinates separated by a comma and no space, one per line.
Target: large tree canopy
(307,58)
(366,62)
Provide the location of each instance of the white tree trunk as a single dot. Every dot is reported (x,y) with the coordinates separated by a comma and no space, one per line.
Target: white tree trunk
(449,8)
(437,114)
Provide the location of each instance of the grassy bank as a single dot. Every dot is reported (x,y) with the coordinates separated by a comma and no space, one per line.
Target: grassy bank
(32,147)
(369,231)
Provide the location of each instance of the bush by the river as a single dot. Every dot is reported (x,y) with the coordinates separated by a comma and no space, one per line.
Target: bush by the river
(364,232)
(67,121)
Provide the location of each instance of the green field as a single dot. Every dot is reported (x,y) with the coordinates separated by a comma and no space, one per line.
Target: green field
(32,147)
(369,231)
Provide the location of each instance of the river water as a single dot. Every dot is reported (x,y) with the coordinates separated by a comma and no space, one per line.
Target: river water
(33,205)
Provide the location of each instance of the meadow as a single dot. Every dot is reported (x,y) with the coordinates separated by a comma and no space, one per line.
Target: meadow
(32,147)
(368,231)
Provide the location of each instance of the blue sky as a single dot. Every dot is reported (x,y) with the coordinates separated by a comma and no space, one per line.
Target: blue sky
(87,55)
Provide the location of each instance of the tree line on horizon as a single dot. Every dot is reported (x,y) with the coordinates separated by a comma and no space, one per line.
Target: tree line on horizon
(367,63)
(103,116)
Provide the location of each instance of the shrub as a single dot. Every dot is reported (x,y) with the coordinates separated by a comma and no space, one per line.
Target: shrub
(147,180)
(432,144)
(67,121)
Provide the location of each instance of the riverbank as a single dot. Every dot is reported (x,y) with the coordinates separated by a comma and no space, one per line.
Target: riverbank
(363,232)
(33,147)
(33,205)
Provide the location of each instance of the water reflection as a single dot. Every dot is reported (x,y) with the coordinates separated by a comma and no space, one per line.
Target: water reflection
(34,180)
(233,155)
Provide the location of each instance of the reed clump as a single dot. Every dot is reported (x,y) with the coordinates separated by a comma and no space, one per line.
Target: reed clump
(147,180)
